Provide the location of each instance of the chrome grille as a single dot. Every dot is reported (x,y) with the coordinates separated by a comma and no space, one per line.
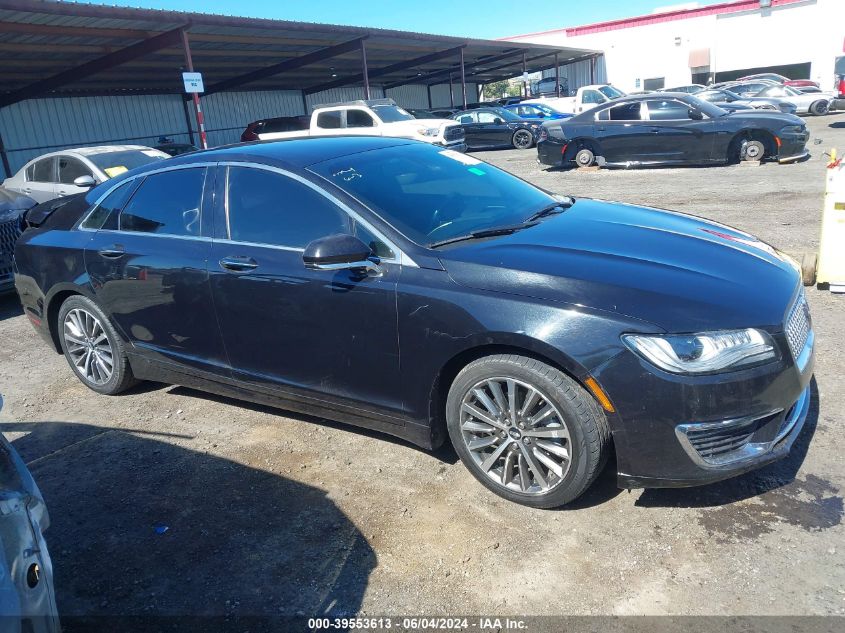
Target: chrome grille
(9,233)
(454,133)
(798,325)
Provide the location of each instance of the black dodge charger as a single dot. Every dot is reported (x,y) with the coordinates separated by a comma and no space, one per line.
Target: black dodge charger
(421,292)
(670,129)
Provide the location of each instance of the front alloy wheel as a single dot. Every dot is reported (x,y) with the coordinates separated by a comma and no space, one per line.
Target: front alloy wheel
(515,435)
(526,430)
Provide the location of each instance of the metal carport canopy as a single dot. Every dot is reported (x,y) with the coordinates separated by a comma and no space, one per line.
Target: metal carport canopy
(61,49)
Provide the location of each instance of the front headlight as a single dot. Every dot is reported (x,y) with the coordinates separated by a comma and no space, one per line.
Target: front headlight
(428,131)
(705,352)
(792,129)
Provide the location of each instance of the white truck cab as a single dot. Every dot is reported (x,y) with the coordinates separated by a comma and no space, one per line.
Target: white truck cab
(377,117)
(585,98)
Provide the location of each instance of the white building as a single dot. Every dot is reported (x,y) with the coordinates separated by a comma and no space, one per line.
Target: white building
(801,39)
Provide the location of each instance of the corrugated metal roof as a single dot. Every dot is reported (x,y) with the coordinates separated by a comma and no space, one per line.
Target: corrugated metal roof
(39,39)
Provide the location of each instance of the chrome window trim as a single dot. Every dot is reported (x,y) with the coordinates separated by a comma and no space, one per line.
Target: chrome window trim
(401,257)
(195,238)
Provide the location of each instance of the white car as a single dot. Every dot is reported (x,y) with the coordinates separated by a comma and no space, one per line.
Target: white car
(71,171)
(805,102)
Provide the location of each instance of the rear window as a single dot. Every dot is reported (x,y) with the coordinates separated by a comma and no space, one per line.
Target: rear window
(283,124)
(166,203)
(43,171)
(329,120)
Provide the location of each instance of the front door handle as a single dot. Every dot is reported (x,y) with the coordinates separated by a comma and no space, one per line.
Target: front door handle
(655,130)
(238,264)
(114,251)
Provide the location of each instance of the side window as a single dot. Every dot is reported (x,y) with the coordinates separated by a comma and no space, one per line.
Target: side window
(43,170)
(166,203)
(359,118)
(626,112)
(70,169)
(604,115)
(487,117)
(469,117)
(269,208)
(109,207)
(379,247)
(668,110)
(329,120)
(592,96)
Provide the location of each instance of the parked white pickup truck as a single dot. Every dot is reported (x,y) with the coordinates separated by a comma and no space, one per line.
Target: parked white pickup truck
(585,98)
(376,117)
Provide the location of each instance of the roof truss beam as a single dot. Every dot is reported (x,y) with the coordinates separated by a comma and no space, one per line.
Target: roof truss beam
(453,69)
(73,75)
(288,64)
(386,70)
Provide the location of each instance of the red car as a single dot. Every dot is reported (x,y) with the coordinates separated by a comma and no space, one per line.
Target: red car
(795,83)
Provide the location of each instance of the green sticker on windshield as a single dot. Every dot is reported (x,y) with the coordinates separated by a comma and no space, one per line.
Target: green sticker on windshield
(476,171)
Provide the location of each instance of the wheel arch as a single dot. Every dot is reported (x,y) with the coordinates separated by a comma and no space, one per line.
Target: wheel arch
(53,303)
(767,137)
(581,142)
(522,346)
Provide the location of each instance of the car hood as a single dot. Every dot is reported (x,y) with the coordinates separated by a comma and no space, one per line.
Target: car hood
(773,116)
(675,271)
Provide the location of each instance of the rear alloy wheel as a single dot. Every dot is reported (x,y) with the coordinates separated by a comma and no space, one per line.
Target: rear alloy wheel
(819,108)
(753,151)
(525,430)
(585,157)
(92,347)
(522,139)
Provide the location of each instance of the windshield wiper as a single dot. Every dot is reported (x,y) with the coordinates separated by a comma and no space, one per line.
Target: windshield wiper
(480,233)
(552,209)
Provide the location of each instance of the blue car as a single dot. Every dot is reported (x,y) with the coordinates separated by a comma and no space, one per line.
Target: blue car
(536,111)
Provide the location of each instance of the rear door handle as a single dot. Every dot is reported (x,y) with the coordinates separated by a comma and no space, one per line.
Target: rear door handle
(237,264)
(112,252)
(655,130)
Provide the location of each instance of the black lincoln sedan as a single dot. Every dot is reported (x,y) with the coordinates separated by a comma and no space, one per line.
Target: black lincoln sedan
(423,293)
(488,128)
(670,129)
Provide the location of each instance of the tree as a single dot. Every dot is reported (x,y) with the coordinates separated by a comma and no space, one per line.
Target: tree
(498,88)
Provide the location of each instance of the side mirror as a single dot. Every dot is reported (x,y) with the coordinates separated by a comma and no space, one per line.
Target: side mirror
(340,252)
(695,115)
(498,121)
(86,182)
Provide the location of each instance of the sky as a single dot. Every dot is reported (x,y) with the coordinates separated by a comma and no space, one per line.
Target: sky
(467,18)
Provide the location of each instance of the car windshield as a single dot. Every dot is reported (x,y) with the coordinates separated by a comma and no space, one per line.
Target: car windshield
(115,163)
(430,194)
(610,92)
(391,113)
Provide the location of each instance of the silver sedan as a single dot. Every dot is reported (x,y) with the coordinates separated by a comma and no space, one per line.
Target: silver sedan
(721,96)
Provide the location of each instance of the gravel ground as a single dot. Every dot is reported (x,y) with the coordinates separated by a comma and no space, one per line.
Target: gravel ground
(271,514)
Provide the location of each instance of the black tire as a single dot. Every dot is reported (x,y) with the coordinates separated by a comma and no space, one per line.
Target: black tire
(753,151)
(121,376)
(585,157)
(588,433)
(820,107)
(522,139)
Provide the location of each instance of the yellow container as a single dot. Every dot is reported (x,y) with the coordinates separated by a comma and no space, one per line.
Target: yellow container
(831,264)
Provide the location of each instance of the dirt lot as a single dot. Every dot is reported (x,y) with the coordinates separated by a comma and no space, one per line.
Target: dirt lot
(274,514)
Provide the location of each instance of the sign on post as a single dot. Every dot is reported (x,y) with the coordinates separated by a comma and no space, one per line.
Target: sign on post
(193,82)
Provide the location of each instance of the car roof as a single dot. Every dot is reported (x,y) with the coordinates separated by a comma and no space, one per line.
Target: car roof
(296,153)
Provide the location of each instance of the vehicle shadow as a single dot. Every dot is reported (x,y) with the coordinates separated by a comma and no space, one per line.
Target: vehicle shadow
(149,534)
(752,484)
(445,453)
(10,305)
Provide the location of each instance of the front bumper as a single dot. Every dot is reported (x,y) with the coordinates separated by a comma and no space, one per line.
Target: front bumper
(793,147)
(677,431)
